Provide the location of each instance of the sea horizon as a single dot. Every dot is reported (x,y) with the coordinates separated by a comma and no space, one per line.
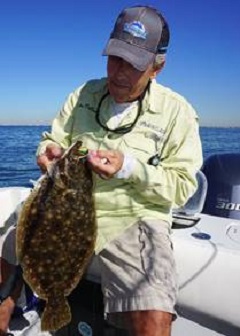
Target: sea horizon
(47,124)
(19,143)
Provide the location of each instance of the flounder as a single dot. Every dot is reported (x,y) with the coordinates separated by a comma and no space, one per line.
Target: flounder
(56,234)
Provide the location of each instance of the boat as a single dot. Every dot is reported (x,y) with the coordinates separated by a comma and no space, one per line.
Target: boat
(206,241)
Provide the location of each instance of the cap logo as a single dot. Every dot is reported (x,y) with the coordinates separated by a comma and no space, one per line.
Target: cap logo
(136,29)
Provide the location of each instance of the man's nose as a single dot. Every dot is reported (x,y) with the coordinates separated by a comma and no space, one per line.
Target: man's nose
(122,65)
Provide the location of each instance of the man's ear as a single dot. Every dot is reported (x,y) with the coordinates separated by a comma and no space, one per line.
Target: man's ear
(156,69)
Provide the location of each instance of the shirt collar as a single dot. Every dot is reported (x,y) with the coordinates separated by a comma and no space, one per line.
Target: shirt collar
(148,103)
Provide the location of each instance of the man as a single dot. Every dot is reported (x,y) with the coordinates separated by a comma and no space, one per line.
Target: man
(145,149)
(10,278)
(7,305)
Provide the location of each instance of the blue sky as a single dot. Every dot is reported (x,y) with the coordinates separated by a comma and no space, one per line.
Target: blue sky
(48,48)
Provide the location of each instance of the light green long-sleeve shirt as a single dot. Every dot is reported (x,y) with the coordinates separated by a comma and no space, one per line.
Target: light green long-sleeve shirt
(168,125)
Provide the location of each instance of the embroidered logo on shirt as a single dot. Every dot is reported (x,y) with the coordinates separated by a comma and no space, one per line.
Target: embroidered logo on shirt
(87,106)
(152,126)
(135,28)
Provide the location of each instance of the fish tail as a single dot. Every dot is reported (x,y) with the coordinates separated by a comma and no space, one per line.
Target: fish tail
(56,314)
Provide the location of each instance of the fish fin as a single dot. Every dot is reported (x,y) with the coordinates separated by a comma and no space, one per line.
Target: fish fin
(56,314)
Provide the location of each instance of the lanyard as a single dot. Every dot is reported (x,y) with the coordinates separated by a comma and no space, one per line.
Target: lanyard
(121,129)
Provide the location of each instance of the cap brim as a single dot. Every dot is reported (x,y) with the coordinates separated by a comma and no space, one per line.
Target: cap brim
(139,58)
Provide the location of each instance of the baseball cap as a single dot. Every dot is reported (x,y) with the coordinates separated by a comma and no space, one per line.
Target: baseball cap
(140,33)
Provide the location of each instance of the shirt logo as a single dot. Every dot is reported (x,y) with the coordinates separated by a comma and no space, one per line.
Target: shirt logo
(154,127)
(135,28)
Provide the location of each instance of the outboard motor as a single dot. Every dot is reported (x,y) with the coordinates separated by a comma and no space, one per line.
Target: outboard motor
(223,175)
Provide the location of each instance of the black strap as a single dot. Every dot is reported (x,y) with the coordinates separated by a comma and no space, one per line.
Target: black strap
(125,128)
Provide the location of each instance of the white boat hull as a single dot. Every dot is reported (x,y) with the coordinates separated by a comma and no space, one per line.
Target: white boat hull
(209,276)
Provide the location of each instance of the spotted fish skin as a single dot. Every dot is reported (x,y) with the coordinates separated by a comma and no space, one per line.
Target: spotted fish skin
(56,234)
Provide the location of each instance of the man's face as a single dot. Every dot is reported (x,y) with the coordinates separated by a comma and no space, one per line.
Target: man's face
(126,83)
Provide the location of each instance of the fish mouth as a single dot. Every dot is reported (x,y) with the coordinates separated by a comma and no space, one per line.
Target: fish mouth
(82,154)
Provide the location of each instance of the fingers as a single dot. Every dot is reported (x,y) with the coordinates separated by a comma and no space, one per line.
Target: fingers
(105,163)
(52,152)
(43,162)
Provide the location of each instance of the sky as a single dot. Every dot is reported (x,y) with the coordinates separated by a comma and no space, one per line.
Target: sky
(48,48)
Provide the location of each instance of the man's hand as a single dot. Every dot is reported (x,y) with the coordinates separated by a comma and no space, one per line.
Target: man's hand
(53,151)
(105,163)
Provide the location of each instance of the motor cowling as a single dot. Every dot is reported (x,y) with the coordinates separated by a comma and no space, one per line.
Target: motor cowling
(223,175)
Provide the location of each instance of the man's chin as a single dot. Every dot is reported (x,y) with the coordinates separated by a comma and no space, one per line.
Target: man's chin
(119,97)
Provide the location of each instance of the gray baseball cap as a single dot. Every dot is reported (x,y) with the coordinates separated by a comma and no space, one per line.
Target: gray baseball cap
(139,34)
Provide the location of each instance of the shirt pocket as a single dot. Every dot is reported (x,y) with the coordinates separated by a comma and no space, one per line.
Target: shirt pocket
(141,145)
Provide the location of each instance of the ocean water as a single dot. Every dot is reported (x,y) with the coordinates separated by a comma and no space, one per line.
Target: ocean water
(18,146)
